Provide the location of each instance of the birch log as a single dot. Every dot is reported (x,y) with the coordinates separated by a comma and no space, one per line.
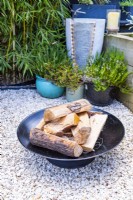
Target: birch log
(82,130)
(97,123)
(58,127)
(56,112)
(41,124)
(55,143)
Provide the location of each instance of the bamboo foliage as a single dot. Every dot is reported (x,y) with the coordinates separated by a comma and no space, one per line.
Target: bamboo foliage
(27,27)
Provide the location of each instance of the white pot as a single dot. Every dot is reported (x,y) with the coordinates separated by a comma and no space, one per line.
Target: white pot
(73,95)
(84,38)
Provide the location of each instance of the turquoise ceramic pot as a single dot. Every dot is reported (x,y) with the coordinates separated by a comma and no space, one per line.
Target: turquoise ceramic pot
(47,89)
(75,95)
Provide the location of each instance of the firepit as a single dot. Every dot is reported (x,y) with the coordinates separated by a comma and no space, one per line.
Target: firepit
(110,137)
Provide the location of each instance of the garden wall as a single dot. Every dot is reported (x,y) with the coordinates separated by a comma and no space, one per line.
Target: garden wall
(123,42)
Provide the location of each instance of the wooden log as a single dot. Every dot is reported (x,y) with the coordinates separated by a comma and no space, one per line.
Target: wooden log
(68,138)
(84,118)
(82,130)
(68,134)
(58,127)
(79,106)
(92,113)
(41,124)
(97,123)
(55,143)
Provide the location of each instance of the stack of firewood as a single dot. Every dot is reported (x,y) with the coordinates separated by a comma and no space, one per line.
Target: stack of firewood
(69,128)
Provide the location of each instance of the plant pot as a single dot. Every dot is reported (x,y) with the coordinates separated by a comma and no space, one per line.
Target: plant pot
(72,95)
(100,98)
(84,38)
(126,11)
(91,11)
(48,89)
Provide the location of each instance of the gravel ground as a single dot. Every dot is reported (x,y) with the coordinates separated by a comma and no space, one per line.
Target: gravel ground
(28,176)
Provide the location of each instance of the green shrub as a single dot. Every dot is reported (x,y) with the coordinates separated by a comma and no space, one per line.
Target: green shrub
(126,3)
(72,77)
(108,69)
(27,27)
(54,65)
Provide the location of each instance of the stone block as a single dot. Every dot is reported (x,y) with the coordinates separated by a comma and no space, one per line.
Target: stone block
(130,78)
(122,42)
(127,100)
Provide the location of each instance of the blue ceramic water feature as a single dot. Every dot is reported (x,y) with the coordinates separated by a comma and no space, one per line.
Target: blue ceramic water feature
(48,89)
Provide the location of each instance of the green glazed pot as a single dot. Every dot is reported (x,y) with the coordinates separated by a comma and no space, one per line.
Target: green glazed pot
(75,95)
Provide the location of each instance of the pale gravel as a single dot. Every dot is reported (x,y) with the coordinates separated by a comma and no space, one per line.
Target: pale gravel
(27,176)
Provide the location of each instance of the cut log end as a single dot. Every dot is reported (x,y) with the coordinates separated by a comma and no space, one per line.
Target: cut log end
(82,136)
(88,149)
(48,115)
(41,124)
(76,120)
(82,131)
(78,150)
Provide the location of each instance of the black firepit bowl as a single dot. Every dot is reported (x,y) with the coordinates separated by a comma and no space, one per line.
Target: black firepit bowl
(110,137)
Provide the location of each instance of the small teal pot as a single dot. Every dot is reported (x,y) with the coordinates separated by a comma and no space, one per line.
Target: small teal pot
(75,95)
(47,89)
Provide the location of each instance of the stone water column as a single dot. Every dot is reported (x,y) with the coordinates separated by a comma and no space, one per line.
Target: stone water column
(84,39)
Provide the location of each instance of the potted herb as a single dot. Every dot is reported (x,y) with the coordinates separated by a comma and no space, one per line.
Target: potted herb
(126,12)
(72,80)
(106,72)
(49,68)
(92,9)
